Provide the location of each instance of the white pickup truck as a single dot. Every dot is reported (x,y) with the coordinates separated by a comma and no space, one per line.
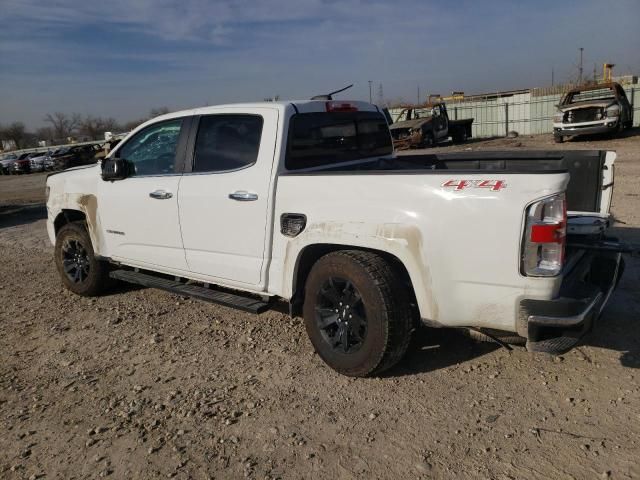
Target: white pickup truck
(305,202)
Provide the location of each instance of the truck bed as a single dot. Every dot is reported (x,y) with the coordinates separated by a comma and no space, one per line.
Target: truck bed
(584,192)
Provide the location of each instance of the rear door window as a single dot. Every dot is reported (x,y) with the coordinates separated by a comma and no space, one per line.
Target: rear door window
(317,139)
(227,142)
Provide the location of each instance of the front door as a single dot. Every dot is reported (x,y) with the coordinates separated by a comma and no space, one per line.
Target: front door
(139,215)
(439,122)
(224,201)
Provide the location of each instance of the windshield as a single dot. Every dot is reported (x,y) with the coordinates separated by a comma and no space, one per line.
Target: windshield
(423,113)
(317,139)
(590,95)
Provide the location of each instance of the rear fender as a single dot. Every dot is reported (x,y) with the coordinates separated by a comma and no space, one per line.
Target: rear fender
(402,241)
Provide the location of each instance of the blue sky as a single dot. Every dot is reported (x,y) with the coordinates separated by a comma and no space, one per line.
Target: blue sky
(120,58)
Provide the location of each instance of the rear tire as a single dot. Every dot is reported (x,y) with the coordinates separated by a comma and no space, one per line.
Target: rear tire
(81,272)
(356,313)
(460,136)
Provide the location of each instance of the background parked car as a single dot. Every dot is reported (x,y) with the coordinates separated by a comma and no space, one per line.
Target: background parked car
(49,163)
(22,164)
(6,163)
(75,156)
(38,161)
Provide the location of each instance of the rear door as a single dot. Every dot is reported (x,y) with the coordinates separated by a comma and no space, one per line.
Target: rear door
(224,199)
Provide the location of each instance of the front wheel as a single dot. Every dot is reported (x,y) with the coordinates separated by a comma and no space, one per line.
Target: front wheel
(428,140)
(80,270)
(558,138)
(356,313)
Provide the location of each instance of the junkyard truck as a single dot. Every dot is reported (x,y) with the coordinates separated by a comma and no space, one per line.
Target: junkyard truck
(420,127)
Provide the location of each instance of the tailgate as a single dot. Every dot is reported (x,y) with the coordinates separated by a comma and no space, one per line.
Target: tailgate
(590,191)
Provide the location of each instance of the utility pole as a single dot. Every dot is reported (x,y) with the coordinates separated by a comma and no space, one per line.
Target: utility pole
(580,67)
(552,77)
(370,99)
(380,95)
(418,95)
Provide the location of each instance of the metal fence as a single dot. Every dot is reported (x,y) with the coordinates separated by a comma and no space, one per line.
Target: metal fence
(526,112)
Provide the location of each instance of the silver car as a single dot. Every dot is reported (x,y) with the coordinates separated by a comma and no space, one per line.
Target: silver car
(38,161)
(6,163)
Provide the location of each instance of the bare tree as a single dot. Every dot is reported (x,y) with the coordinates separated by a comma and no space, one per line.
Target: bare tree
(45,133)
(16,132)
(111,125)
(92,127)
(132,124)
(63,125)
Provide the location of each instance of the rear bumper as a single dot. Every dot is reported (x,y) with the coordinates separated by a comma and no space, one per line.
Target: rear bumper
(555,326)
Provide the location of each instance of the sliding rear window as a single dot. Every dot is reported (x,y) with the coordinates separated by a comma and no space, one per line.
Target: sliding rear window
(317,139)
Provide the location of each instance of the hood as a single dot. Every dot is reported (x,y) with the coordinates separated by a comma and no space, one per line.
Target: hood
(586,104)
(416,122)
(77,172)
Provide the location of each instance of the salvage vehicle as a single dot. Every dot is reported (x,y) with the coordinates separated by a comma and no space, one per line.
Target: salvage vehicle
(426,126)
(600,108)
(251,204)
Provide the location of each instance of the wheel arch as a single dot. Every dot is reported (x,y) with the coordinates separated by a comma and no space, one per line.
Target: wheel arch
(66,216)
(310,254)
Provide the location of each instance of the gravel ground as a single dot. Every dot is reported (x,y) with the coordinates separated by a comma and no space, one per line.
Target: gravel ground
(145,384)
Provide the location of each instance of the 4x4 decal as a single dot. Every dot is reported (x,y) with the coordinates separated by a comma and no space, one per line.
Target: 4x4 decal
(459,185)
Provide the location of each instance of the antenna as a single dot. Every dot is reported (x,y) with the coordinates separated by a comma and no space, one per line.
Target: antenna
(329,96)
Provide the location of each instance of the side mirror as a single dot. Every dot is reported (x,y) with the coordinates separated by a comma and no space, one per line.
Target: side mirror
(115,169)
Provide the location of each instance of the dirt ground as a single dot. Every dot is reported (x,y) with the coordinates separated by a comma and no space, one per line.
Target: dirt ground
(145,384)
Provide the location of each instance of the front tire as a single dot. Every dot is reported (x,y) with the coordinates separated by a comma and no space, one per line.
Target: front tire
(81,272)
(558,138)
(356,313)
(428,141)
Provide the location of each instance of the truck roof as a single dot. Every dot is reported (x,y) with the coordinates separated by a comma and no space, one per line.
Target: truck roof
(290,106)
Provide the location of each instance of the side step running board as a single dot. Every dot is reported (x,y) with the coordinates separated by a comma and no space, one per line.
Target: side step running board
(247,304)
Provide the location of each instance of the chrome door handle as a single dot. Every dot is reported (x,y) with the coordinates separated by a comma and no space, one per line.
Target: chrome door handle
(161,194)
(243,196)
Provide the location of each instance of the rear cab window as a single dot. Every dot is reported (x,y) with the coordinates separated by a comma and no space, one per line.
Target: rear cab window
(326,138)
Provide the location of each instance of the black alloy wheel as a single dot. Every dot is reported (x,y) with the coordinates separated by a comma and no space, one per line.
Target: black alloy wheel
(357,312)
(340,315)
(75,261)
(79,268)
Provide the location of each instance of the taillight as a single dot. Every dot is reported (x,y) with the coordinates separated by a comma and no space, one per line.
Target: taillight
(545,237)
(337,106)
